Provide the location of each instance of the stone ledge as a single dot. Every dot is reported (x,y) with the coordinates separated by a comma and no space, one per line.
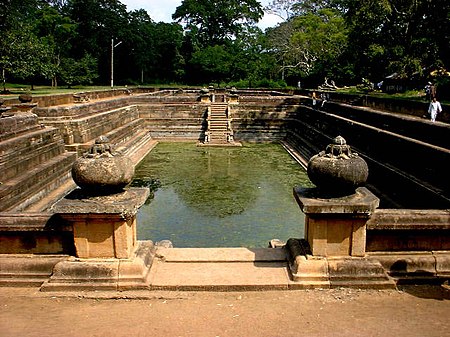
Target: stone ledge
(220,254)
(403,219)
(414,266)
(362,202)
(103,274)
(27,270)
(125,203)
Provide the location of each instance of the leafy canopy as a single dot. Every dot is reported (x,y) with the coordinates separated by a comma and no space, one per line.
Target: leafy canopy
(218,21)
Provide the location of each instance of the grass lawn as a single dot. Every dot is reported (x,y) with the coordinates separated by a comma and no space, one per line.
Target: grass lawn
(17,89)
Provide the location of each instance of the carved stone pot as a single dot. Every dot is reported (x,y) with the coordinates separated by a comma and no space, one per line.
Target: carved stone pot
(103,175)
(101,171)
(337,171)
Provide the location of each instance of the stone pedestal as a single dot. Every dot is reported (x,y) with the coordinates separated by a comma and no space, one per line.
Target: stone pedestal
(108,257)
(103,226)
(333,251)
(336,226)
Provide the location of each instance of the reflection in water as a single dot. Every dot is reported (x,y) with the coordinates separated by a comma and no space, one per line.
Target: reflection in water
(220,197)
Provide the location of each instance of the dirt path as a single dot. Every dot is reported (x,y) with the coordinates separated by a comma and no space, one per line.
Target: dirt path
(412,311)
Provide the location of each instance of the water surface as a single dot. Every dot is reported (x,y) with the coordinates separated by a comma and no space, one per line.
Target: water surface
(220,197)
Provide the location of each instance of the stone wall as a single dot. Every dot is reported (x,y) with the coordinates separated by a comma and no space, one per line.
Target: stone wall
(62,99)
(173,120)
(408,230)
(32,161)
(263,121)
(35,233)
(404,172)
(417,108)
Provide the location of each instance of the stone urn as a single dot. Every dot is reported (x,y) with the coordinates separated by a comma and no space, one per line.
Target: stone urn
(337,170)
(102,171)
(25,98)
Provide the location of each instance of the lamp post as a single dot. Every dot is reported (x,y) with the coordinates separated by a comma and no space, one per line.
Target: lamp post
(112,60)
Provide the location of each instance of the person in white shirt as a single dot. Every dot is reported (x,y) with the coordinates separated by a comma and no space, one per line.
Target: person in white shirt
(434,109)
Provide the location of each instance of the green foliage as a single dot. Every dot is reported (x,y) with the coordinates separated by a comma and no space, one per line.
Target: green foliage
(25,56)
(81,71)
(344,40)
(260,83)
(218,21)
(309,44)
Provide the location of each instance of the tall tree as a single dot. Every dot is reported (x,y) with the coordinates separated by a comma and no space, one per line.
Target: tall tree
(307,41)
(218,21)
(26,57)
(58,31)
(98,21)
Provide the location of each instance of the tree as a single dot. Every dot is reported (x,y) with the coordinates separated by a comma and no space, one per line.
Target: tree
(212,64)
(288,9)
(98,21)
(399,36)
(58,31)
(168,62)
(82,71)
(307,41)
(25,56)
(216,22)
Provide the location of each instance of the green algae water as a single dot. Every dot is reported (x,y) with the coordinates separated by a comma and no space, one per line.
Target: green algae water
(220,197)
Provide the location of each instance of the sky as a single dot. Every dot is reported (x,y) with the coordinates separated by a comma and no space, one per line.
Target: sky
(162,10)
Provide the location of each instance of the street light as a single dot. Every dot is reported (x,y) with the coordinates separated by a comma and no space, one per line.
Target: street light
(112,60)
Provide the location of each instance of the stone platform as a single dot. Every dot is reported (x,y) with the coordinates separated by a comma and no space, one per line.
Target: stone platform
(219,269)
(212,144)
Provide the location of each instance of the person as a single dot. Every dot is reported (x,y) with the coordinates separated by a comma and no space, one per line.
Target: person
(434,109)
(432,91)
(428,92)
(324,97)
(314,99)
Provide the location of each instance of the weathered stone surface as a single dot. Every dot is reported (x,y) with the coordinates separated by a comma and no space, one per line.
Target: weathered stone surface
(407,265)
(406,229)
(124,203)
(358,273)
(442,263)
(101,170)
(336,226)
(337,170)
(103,226)
(25,98)
(311,201)
(104,274)
(309,273)
(27,270)
(103,175)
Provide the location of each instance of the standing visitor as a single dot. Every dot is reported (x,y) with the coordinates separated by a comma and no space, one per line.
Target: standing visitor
(434,109)
(314,99)
(324,97)
(433,91)
(428,92)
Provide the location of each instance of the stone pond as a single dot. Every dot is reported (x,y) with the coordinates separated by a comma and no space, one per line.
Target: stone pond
(220,197)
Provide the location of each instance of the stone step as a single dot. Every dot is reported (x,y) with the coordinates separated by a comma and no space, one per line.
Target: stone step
(83,109)
(15,126)
(219,269)
(138,147)
(116,137)
(29,151)
(15,193)
(175,255)
(88,128)
(218,128)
